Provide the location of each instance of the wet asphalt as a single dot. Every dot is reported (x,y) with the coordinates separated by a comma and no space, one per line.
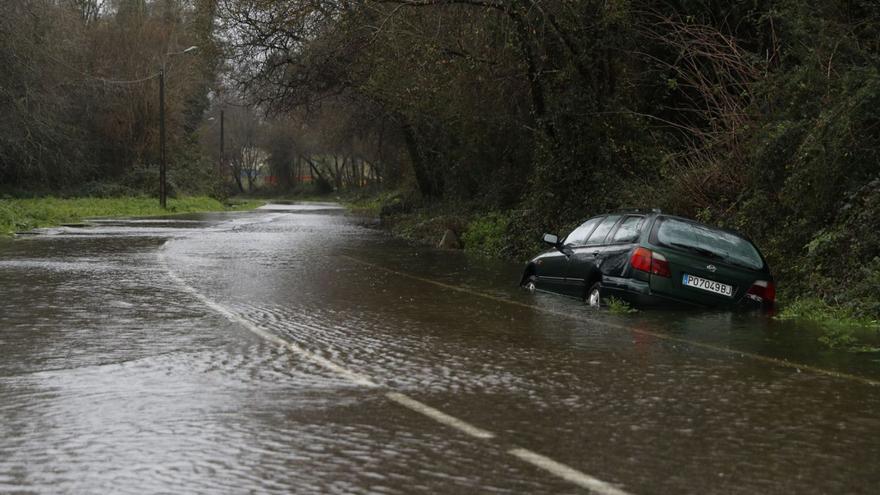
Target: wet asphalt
(295,349)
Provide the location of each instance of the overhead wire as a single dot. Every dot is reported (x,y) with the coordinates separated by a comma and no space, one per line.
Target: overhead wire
(104,79)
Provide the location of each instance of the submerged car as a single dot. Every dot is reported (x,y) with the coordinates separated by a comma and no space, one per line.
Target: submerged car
(650,258)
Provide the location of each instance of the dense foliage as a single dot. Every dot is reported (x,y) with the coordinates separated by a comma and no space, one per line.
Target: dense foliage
(760,115)
(79,94)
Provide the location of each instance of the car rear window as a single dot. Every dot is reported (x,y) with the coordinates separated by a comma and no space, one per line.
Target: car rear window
(603,229)
(728,246)
(629,229)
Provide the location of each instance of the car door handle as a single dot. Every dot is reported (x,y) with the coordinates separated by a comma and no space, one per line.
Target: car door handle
(595,253)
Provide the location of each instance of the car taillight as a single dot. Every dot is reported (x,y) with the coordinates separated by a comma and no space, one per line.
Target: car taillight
(647,261)
(641,260)
(763,291)
(659,265)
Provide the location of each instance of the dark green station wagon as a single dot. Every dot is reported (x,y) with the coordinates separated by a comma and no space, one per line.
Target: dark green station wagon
(650,258)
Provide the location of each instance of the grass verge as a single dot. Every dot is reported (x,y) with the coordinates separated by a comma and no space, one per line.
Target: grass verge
(18,215)
(841,328)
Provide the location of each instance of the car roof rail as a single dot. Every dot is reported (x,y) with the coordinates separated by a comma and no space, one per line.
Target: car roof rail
(638,210)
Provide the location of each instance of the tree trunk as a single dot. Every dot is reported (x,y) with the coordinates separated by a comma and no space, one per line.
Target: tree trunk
(536,86)
(337,173)
(419,165)
(314,170)
(236,175)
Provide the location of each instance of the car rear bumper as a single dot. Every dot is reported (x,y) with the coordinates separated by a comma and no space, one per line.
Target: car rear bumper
(639,293)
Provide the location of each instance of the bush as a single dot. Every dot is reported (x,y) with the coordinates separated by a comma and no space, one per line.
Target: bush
(487,235)
(105,190)
(620,307)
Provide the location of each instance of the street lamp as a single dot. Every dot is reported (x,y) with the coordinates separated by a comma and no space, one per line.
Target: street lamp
(163,166)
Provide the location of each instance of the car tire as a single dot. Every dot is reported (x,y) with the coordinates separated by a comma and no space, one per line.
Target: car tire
(531,284)
(594,296)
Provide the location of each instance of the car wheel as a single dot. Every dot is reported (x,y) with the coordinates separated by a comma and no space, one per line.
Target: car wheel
(530,284)
(594,296)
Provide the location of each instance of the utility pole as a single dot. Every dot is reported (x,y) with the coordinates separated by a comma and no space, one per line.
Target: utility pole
(222,155)
(162,163)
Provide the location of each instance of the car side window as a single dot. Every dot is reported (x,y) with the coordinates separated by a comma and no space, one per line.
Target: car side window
(629,230)
(579,235)
(598,236)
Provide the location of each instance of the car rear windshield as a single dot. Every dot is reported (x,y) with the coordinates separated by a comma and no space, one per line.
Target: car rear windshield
(710,242)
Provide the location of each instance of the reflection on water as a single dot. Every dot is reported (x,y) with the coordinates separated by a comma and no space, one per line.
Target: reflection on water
(114,379)
(302,207)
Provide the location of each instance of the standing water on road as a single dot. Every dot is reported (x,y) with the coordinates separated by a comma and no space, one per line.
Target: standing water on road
(293,350)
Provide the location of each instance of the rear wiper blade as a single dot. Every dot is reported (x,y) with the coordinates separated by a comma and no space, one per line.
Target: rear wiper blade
(704,252)
(733,262)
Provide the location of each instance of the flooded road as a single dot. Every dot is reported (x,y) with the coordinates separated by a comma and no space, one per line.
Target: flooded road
(293,350)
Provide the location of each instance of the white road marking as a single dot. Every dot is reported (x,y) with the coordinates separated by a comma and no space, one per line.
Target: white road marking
(311,356)
(561,470)
(440,416)
(567,473)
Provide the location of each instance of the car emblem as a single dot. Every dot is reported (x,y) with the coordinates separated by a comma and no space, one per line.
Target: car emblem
(711,268)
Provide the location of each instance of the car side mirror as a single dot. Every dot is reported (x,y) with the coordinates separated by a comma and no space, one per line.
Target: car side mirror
(551,239)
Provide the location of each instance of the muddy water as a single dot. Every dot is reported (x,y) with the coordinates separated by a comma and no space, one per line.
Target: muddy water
(116,376)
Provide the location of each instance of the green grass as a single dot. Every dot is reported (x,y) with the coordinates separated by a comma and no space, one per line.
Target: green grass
(487,235)
(619,306)
(18,215)
(841,328)
(372,203)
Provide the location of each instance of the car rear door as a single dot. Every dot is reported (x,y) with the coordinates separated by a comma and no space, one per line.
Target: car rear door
(613,258)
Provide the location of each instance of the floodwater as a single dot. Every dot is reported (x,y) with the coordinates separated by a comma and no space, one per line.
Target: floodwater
(145,356)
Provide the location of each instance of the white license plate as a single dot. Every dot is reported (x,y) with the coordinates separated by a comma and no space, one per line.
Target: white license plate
(707,285)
